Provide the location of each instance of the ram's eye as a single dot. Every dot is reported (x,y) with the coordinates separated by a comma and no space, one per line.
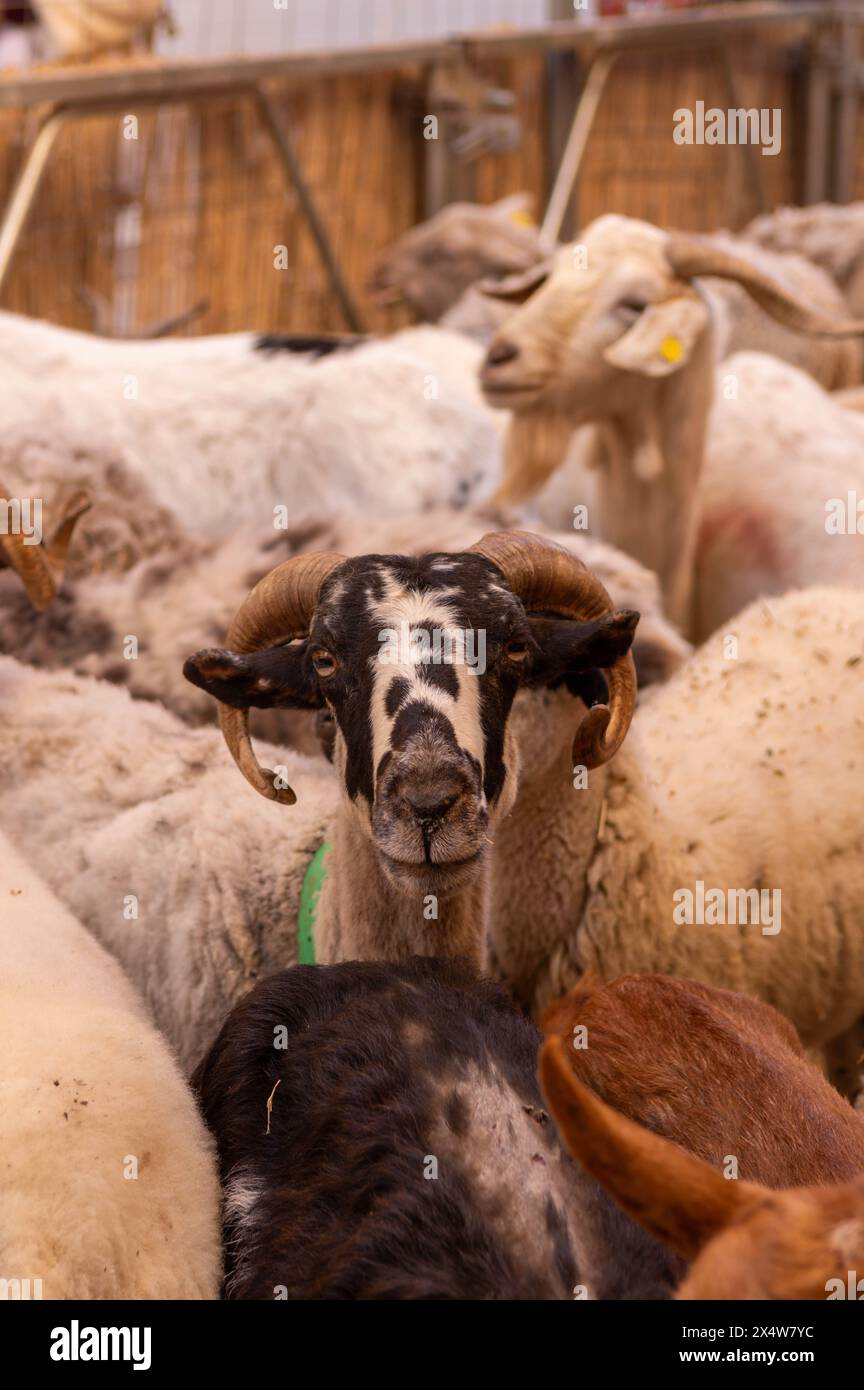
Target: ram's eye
(632,308)
(516,650)
(324,662)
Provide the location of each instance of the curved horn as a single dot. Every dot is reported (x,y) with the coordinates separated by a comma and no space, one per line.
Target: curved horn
(545,576)
(691,256)
(279,608)
(40,567)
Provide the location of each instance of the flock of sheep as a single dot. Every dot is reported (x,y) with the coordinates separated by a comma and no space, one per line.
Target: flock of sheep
(551,616)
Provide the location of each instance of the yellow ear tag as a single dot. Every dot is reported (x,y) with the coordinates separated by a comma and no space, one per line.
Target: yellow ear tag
(671,349)
(522,219)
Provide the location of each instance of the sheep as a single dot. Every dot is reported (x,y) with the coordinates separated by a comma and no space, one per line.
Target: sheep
(829,235)
(47,455)
(446,268)
(743,775)
(627,343)
(110,1187)
(226,432)
(427,1172)
(432,266)
(187,596)
(743,326)
(672,1088)
(195,890)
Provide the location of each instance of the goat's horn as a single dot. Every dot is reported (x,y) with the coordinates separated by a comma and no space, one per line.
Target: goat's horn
(279,608)
(40,567)
(691,256)
(545,576)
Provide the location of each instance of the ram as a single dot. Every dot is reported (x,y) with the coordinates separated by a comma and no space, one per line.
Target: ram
(742,780)
(723,506)
(429,1172)
(110,1187)
(668,1101)
(197,891)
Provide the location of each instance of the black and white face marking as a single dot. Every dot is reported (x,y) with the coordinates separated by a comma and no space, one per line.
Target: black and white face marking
(423,659)
(417,662)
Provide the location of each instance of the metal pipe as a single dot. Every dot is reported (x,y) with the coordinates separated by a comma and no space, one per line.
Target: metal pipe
(577,140)
(26,188)
(293,168)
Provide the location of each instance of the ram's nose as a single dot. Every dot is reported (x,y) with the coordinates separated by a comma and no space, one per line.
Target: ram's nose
(430,801)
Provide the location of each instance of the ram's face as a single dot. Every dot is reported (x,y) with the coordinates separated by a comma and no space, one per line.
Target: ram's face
(419,661)
(610,314)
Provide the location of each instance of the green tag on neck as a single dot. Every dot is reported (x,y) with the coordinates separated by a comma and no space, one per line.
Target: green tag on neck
(313,882)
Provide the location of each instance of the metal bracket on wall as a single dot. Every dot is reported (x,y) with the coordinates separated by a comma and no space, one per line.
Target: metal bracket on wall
(30,177)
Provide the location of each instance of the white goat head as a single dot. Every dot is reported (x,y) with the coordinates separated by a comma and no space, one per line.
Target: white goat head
(606,324)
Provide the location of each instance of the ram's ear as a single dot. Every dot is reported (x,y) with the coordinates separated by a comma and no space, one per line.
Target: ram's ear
(663,337)
(568,651)
(278,676)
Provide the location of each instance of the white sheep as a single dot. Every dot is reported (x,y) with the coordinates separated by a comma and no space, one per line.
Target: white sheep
(135,822)
(431,266)
(625,342)
(829,234)
(226,432)
(745,772)
(110,1188)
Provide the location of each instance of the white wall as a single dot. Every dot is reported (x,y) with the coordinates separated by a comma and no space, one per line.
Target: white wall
(258,26)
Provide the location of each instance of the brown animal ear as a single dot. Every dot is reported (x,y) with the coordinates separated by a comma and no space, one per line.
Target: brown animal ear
(680,1199)
(515,289)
